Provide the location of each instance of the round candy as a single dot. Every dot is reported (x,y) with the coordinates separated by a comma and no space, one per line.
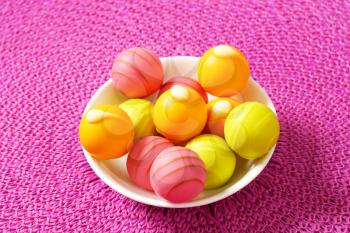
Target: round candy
(140,113)
(106,132)
(223,71)
(141,157)
(218,109)
(137,72)
(180,113)
(178,174)
(219,159)
(251,130)
(186,82)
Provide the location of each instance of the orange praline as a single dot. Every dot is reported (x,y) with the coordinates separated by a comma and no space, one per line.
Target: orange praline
(180,113)
(218,109)
(223,71)
(106,132)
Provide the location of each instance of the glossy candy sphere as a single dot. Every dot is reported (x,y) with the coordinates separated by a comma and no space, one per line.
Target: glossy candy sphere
(251,130)
(137,72)
(185,82)
(219,159)
(178,174)
(106,132)
(180,113)
(218,109)
(223,71)
(140,112)
(141,157)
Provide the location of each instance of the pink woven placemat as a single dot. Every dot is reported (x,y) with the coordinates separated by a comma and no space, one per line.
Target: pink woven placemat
(54,55)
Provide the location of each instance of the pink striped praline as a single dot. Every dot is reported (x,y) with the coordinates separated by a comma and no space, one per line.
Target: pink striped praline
(141,157)
(137,72)
(178,174)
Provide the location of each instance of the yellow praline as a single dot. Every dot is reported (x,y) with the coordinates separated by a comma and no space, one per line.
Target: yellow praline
(219,159)
(140,112)
(251,130)
(223,71)
(180,113)
(106,132)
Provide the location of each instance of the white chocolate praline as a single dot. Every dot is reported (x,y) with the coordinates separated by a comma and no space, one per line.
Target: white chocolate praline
(180,93)
(224,51)
(221,108)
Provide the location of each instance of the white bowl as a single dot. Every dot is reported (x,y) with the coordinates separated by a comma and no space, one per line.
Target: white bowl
(114,174)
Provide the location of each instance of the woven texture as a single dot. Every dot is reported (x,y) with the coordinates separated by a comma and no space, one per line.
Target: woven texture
(54,56)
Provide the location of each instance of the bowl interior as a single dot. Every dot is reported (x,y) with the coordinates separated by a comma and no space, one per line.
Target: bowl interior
(113,172)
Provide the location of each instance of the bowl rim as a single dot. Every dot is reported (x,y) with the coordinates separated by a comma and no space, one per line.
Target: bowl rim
(107,179)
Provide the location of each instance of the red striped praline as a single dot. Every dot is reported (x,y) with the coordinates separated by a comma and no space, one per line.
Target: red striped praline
(141,157)
(137,73)
(185,82)
(178,174)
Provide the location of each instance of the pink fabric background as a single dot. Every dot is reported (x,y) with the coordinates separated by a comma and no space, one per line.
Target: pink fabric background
(54,55)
